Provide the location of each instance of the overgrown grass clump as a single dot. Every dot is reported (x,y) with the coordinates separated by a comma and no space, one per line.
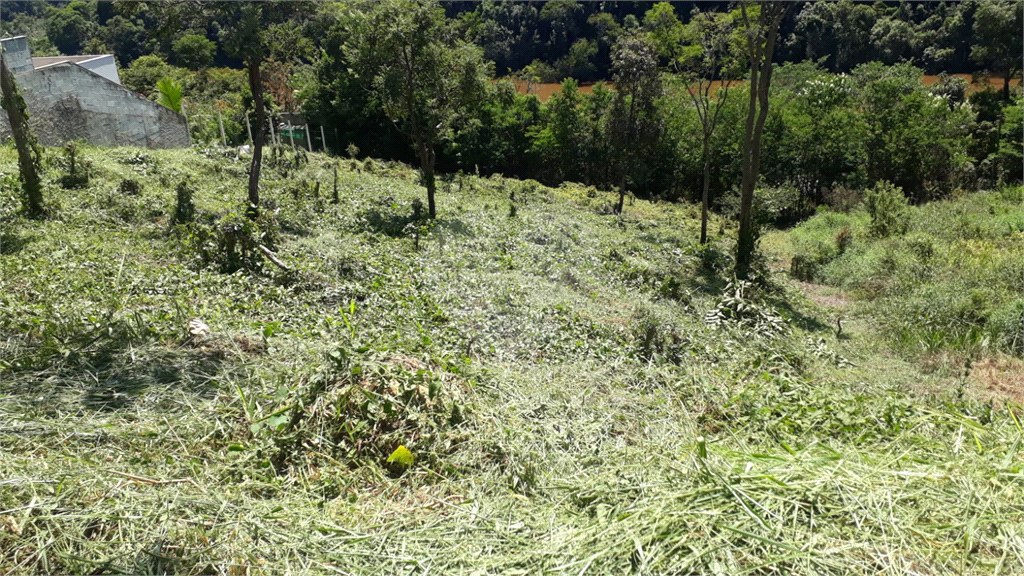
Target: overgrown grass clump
(945,275)
(575,393)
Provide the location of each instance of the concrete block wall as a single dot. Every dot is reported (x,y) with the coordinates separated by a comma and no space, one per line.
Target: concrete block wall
(67,102)
(17,54)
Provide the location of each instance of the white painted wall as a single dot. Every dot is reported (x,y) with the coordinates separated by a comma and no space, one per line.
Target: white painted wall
(104,66)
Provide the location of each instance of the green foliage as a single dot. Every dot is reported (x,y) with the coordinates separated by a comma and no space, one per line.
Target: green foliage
(741,305)
(70,28)
(518,357)
(194,51)
(144,73)
(184,205)
(373,405)
(953,281)
(232,242)
(887,207)
(915,139)
(78,168)
(170,94)
(129,187)
(999,44)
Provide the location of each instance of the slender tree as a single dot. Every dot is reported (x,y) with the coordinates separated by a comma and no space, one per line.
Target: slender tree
(703,53)
(243,37)
(424,76)
(24,141)
(633,117)
(761,30)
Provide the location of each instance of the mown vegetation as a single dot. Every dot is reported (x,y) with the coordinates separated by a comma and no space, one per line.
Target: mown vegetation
(272,361)
(578,392)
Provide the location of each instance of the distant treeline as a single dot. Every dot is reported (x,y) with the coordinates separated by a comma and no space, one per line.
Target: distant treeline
(556,39)
(825,133)
(847,105)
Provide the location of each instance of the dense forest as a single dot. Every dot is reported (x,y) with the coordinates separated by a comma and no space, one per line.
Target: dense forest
(847,73)
(743,293)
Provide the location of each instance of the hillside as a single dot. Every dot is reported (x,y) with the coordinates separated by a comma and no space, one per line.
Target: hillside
(575,392)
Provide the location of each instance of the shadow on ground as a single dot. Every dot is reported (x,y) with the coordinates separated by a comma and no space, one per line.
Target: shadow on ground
(114,376)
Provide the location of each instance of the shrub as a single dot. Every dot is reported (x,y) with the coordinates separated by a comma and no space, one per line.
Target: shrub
(78,169)
(803,268)
(842,199)
(184,208)
(888,209)
(367,405)
(656,339)
(843,239)
(233,242)
(129,187)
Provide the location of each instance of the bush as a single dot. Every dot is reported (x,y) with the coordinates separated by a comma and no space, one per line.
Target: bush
(843,239)
(803,268)
(842,199)
(129,187)
(78,168)
(888,209)
(184,208)
(367,405)
(1006,325)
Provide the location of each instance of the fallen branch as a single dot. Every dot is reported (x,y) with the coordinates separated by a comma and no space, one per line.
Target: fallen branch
(273,258)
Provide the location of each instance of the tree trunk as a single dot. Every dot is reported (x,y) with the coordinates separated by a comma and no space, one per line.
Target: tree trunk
(24,141)
(622,193)
(256,86)
(760,81)
(427,159)
(704,196)
(745,242)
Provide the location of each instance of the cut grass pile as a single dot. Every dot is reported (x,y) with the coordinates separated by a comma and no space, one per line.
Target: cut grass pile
(583,394)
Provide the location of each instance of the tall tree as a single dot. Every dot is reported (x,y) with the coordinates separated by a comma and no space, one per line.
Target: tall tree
(634,121)
(840,32)
(70,28)
(997,29)
(703,53)
(24,141)
(424,76)
(761,30)
(243,37)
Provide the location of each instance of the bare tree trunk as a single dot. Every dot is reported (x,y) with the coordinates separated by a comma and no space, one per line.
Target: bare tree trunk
(760,81)
(24,141)
(745,242)
(427,158)
(622,192)
(704,195)
(256,86)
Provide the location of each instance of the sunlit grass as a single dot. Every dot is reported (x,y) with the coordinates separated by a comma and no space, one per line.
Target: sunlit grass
(573,343)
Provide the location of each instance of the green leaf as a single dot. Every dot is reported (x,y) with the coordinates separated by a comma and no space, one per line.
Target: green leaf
(170,94)
(277,421)
(402,457)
